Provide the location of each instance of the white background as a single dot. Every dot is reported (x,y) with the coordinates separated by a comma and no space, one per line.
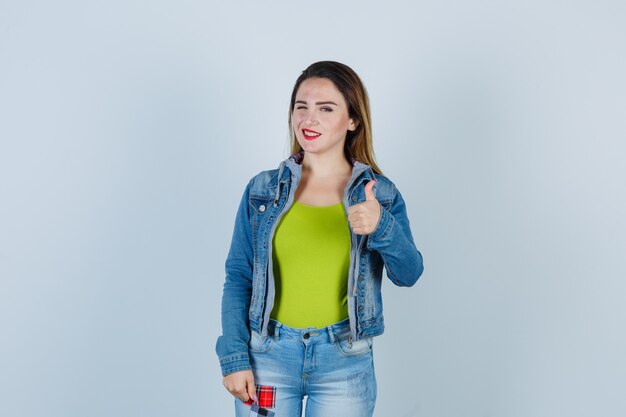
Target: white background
(128,130)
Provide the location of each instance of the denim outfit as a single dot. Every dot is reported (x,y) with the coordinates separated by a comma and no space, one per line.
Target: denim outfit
(249,289)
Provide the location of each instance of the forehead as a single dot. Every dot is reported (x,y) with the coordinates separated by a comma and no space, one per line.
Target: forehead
(319,89)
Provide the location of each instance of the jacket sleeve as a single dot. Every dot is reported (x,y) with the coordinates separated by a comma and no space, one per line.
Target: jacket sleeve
(392,238)
(232,345)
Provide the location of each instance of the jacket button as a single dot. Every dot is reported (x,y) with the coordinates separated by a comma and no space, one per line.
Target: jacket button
(353,198)
(262,208)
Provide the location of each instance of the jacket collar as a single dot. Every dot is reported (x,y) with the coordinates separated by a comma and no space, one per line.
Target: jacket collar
(294,163)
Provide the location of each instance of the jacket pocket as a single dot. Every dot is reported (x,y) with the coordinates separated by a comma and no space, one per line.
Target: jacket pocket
(260,204)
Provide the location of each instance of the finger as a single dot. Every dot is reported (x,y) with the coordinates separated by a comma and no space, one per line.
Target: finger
(251,388)
(356,219)
(242,395)
(369,191)
(359,231)
(352,217)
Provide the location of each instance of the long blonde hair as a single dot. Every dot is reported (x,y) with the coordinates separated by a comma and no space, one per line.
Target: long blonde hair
(358,143)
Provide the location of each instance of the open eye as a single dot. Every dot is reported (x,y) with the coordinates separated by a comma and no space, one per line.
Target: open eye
(327,109)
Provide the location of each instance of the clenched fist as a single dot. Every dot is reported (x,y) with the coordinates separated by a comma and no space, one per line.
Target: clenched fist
(363,217)
(241,385)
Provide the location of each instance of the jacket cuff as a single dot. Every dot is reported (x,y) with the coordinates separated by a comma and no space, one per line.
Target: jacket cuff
(385,223)
(234,363)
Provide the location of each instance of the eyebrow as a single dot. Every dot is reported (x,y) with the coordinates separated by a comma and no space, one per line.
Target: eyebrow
(319,103)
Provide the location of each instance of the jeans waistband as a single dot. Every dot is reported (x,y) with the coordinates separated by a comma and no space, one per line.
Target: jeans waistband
(335,332)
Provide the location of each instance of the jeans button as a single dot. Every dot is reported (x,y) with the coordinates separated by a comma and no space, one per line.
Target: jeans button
(306,335)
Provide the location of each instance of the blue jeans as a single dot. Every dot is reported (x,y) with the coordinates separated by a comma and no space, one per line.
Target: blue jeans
(326,365)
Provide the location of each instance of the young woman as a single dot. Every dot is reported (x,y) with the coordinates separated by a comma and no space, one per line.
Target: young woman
(302,299)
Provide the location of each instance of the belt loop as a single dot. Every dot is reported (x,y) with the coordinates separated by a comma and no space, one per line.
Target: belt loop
(277,330)
(331,334)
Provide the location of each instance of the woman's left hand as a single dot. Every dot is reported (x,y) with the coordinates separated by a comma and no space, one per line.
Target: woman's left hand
(363,217)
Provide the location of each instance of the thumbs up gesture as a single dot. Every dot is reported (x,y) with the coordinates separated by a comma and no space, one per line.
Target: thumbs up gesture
(363,217)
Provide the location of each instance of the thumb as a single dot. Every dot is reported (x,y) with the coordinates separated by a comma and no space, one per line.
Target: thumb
(251,388)
(369,191)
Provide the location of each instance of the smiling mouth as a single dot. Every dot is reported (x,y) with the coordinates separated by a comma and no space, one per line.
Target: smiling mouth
(310,134)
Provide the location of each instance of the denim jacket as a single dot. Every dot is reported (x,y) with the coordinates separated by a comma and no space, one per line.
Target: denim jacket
(249,288)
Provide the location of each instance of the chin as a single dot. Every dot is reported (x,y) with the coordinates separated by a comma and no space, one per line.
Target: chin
(310,147)
(306,145)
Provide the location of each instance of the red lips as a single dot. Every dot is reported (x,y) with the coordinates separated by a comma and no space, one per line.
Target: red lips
(312,134)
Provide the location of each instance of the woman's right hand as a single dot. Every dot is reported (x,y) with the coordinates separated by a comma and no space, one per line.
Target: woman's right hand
(241,385)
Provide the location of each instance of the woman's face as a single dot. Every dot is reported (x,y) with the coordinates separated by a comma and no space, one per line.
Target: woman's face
(320,117)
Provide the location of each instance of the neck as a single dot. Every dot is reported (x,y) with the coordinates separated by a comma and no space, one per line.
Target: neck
(326,165)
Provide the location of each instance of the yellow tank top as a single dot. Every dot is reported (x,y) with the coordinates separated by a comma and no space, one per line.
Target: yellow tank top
(311,255)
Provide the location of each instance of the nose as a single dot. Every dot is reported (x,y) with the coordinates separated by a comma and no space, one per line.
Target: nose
(310,119)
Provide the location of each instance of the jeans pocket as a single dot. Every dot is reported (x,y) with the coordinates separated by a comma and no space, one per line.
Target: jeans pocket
(355,347)
(258,343)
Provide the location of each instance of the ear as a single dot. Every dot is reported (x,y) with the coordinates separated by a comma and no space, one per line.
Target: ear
(353,125)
